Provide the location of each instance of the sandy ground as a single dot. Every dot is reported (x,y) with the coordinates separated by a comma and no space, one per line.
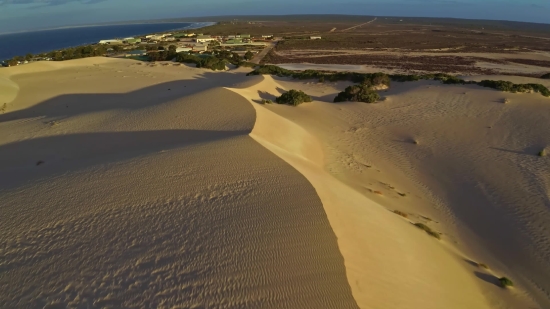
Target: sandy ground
(502,68)
(137,186)
(151,194)
(483,188)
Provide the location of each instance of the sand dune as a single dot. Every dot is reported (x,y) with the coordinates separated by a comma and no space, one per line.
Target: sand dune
(131,185)
(484,188)
(155,198)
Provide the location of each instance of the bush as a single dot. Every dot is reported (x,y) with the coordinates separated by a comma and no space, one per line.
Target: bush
(247,64)
(293,97)
(511,87)
(264,101)
(358,93)
(546,76)
(428,230)
(369,80)
(483,265)
(505,282)
(542,153)
(402,214)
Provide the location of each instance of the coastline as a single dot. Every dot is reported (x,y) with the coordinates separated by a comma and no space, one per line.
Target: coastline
(15,38)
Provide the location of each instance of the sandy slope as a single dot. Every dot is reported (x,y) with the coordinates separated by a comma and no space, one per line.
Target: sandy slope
(136,186)
(151,194)
(483,187)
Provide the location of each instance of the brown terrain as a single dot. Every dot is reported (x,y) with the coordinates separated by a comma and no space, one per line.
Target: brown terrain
(405,45)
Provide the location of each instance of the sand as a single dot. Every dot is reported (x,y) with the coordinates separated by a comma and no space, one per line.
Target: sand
(154,198)
(137,186)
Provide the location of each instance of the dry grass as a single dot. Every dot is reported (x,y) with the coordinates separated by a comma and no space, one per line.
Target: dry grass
(402,214)
(428,230)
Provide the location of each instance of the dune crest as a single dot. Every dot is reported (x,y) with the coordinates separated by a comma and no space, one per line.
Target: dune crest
(389,263)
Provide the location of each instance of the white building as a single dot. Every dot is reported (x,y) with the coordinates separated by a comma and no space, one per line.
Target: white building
(267,36)
(204,39)
(315,38)
(183,49)
(111,42)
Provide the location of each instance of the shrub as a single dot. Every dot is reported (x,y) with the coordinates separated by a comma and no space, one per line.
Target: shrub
(542,153)
(511,87)
(264,101)
(483,265)
(505,282)
(358,93)
(247,64)
(428,230)
(293,97)
(402,214)
(546,76)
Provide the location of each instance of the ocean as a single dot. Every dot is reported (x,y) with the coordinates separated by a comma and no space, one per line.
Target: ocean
(22,43)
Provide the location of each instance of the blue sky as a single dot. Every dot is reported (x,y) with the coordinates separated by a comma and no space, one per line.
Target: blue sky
(16,15)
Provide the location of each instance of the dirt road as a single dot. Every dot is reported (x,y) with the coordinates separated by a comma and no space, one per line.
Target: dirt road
(351,28)
(264,52)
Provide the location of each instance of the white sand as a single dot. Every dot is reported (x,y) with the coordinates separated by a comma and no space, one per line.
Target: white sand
(160,188)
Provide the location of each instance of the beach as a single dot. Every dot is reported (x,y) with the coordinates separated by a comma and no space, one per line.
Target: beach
(138,185)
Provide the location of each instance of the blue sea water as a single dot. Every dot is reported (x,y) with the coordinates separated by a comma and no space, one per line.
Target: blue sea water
(20,44)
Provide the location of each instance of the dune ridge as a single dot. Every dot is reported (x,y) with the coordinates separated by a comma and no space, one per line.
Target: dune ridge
(154,196)
(432,152)
(372,240)
(132,185)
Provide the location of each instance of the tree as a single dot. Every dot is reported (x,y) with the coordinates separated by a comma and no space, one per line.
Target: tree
(28,56)
(172,48)
(249,55)
(117,48)
(12,62)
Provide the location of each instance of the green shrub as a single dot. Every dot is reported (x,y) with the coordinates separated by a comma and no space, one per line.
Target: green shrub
(358,93)
(546,76)
(505,282)
(247,64)
(542,153)
(375,79)
(483,265)
(428,230)
(511,87)
(264,101)
(293,97)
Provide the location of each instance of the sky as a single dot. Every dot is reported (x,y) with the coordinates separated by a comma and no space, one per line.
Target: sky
(19,15)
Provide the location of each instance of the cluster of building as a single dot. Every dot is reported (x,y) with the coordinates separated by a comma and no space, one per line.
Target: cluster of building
(188,42)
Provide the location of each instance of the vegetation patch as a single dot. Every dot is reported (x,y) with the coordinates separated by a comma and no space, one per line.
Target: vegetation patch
(216,61)
(546,76)
(511,87)
(402,214)
(358,93)
(376,79)
(293,97)
(428,230)
(369,79)
(505,282)
(542,153)
(482,265)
